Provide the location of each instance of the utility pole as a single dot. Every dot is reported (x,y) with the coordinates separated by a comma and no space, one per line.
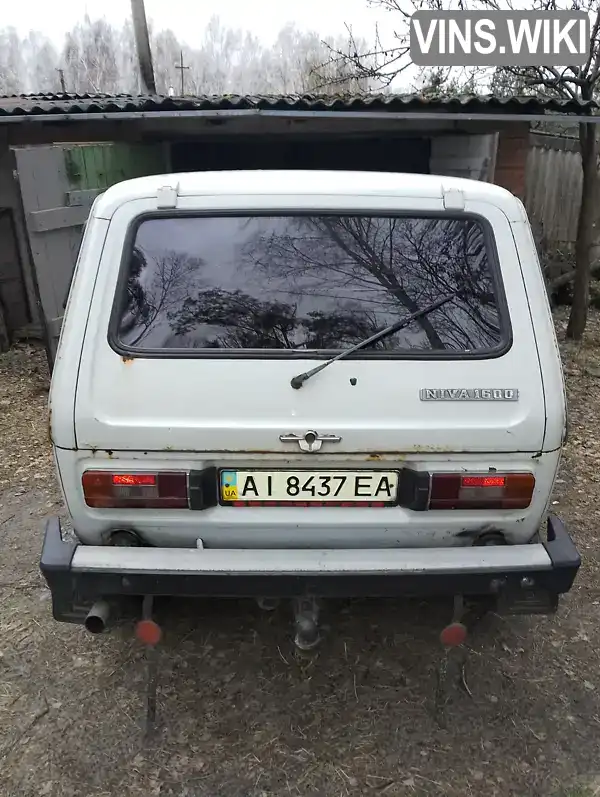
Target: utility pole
(182,67)
(142,43)
(61,72)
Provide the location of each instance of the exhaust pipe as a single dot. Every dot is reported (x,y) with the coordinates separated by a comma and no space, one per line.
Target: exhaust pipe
(97,618)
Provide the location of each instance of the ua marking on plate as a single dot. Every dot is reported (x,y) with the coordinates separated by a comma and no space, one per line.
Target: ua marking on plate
(229,487)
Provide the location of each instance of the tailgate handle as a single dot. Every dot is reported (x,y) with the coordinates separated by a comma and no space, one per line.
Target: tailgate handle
(310,441)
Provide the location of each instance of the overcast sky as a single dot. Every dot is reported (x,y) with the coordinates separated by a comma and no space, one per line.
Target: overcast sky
(264,18)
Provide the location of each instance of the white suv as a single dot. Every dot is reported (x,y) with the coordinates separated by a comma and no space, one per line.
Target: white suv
(301,384)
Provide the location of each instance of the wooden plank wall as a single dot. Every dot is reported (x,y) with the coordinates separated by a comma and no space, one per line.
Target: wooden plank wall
(58,185)
(93,166)
(553,188)
(54,243)
(13,298)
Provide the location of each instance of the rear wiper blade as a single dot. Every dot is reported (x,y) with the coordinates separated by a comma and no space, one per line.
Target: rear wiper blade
(300,379)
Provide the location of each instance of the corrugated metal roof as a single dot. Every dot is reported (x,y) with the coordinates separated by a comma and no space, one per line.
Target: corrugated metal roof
(28,105)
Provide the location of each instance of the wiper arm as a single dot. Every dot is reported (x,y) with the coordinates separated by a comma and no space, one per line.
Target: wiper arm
(300,379)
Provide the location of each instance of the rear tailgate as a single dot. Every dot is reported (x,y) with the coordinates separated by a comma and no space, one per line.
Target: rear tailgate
(224,401)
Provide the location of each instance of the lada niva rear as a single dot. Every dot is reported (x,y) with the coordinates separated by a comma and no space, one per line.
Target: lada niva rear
(307,384)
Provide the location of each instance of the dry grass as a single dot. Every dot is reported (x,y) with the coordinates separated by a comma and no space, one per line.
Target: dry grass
(241,715)
(24,449)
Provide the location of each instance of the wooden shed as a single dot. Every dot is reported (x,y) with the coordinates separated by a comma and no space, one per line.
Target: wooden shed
(58,152)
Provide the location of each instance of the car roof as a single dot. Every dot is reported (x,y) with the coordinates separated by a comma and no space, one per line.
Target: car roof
(290,182)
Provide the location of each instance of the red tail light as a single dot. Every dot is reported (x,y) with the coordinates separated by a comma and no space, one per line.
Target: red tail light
(140,490)
(489,491)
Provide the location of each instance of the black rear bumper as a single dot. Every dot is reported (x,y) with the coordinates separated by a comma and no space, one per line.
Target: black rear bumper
(74,590)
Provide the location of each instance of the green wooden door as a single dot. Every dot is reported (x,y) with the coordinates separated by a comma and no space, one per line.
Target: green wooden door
(58,186)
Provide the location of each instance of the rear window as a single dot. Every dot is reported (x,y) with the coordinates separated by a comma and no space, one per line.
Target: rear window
(260,284)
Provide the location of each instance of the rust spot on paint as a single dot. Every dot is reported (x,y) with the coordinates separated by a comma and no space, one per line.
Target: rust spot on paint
(484,534)
(236,451)
(127,360)
(373,456)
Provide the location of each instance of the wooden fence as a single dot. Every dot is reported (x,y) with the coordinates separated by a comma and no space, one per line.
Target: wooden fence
(553,188)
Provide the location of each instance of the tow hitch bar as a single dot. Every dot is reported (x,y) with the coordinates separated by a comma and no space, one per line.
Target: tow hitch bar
(306,619)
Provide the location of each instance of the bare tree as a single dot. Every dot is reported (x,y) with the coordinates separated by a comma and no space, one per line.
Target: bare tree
(41,63)
(379,63)
(247,74)
(150,299)
(219,47)
(12,66)
(128,66)
(575,82)
(334,76)
(299,62)
(444,82)
(571,82)
(165,54)
(393,265)
(90,57)
(98,57)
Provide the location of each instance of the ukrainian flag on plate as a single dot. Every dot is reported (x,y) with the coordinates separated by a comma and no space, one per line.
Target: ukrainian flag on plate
(229,487)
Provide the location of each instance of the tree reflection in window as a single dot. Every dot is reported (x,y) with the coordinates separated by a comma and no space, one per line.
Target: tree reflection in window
(309,283)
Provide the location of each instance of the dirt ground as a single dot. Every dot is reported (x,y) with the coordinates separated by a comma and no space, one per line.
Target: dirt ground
(240,715)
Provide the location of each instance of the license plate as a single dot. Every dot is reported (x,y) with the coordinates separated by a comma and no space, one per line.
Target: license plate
(308,488)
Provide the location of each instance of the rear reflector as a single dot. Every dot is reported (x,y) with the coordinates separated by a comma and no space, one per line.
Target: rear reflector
(490,491)
(140,490)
